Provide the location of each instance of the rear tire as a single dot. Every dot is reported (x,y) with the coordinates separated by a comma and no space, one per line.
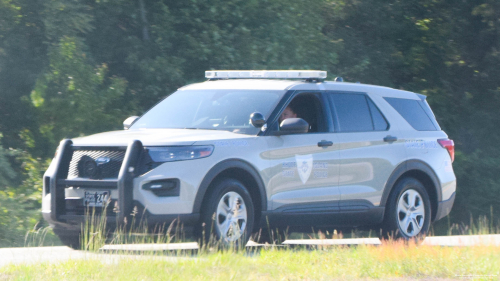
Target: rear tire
(227,218)
(408,211)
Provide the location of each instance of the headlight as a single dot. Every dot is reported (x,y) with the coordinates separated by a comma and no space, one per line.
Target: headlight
(179,153)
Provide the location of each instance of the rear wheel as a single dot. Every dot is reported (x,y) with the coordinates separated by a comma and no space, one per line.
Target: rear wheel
(228,215)
(408,212)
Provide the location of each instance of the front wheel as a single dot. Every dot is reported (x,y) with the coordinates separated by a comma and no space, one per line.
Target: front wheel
(228,216)
(408,212)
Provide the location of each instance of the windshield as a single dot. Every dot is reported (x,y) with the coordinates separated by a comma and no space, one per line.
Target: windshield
(210,109)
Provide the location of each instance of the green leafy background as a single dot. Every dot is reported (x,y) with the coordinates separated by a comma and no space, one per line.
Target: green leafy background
(70,68)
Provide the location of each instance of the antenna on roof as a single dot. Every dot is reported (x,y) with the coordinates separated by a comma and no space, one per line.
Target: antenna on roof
(339,79)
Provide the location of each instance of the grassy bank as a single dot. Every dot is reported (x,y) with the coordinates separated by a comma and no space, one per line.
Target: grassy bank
(390,260)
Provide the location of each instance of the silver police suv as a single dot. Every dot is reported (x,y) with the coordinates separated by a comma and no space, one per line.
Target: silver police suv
(258,150)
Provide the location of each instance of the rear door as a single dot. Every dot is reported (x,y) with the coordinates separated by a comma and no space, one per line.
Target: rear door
(369,149)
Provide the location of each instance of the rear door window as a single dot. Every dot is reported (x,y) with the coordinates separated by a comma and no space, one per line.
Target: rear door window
(414,112)
(357,113)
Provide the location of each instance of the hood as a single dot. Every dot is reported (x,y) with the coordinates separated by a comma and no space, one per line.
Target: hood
(155,137)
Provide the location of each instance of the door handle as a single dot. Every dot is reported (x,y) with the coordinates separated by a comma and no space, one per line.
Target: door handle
(390,139)
(325,143)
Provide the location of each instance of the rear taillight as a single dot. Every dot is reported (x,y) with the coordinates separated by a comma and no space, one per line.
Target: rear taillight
(450,146)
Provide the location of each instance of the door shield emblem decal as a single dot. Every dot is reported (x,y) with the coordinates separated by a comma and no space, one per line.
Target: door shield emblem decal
(304,166)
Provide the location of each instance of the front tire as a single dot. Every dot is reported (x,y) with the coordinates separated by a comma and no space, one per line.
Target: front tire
(228,214)
(408,211)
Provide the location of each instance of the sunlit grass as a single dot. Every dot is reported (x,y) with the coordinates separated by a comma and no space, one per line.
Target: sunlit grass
(393,259)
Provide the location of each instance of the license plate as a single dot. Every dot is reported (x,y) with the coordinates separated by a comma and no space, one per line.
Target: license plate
(96,198)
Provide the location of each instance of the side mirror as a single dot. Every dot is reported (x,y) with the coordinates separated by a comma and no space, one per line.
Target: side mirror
(257,119)
(129,121)
(293,126)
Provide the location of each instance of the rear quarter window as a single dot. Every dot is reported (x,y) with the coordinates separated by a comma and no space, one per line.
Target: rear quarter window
(416,112)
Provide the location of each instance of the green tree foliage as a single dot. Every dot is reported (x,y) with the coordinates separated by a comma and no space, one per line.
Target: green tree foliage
(22,54)
(76,67)
(20,205)
(6,171)
(65,18)
(74,97)
(188,37)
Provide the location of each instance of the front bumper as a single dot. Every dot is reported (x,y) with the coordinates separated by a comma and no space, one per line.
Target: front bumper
(54,204)
(444,207)
(74,223)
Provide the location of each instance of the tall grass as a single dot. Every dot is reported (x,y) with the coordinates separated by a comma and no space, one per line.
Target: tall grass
(95,233)
(393,259)
(36,237)
(483,225)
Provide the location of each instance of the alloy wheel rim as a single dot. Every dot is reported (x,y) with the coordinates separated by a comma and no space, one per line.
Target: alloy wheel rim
(231,216)
(411,213)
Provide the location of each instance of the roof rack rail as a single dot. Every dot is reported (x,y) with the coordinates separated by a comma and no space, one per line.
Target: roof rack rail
(317,75)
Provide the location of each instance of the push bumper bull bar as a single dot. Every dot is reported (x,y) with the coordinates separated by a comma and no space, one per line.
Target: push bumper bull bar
(124,183)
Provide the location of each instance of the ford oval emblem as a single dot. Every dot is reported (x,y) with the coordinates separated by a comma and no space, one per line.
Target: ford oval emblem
(102,160)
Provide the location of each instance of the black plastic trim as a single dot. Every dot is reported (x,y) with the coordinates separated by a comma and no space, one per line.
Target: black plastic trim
(57,204)
(309,208)
(307,220)
(125,179)
(89,183)
(97,147)
(349,213)
(166,220)
(221,167)
(356,205)
(444,207)
(46,185)
(144,216)
(164,192)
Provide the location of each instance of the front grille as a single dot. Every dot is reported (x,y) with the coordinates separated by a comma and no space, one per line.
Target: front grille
(103,169)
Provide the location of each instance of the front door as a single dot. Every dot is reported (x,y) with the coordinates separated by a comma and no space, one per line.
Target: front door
(304,175)
(304,168)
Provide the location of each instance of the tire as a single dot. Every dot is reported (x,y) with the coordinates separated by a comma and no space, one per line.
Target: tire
(71,239)
(227,218)
(408,211)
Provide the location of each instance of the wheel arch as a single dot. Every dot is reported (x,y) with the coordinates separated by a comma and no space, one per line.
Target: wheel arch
(239,170)
(421,171)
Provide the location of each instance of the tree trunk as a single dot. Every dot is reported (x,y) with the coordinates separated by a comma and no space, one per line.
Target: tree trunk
(145,31)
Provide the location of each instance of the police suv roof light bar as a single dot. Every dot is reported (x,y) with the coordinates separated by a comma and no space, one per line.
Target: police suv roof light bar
(266,74)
